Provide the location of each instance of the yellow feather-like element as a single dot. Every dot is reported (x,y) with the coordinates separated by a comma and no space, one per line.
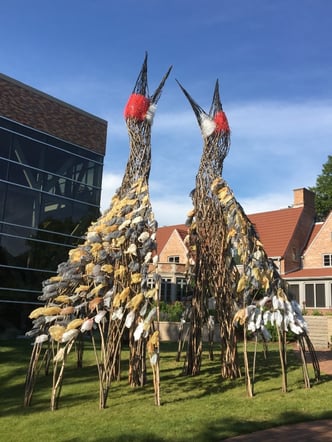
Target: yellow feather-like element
(89,268)
(120,272)
(216,183)
(108,268)
(124,294)
(153,342)
(231,233)
(82,288)
(56,278)
(135,302)
(62,299)
(75,255)
(37,312)
(96,247)
(256,273)
(265,283)
(121,297)
(151,293)
(117,301)
(136,278)
(240,316)
(242,283)
(56,332)
(94,302)
(223,194)
(281,294)
(75,323)
(97,289)
(51,311)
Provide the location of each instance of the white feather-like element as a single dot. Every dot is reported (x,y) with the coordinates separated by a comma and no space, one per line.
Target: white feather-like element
(259,320)
(208,126)
(118,313)
(275,302)
(108,298)
(278,318)
(137,220)
(69,335)
(49,319)
(60,355)
(151,112)
(154,359)
(130,318)
(147,257)
(258,254)
(295,328)
(138,331)
(143,309)
(266,333)
(41,338)
(263,301)
(143,237)
(87,325)
(151,314)
(132,249)
(153,236)
(296,308)
(267,317)
(99,316)
(251,326)
(155,260)
(124,224)
(93,237)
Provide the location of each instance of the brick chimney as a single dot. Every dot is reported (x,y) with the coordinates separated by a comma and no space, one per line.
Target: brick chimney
(304,198)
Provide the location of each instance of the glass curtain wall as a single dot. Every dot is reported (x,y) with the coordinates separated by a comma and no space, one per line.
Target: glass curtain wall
(49,194)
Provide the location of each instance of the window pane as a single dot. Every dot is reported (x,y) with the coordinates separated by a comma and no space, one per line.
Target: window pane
(21,206)
(309,295)
(294,292)
(5,140)
(327,260)
(320,295)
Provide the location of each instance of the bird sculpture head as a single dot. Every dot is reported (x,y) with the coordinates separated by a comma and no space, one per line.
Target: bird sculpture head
(140,106)
(214,125)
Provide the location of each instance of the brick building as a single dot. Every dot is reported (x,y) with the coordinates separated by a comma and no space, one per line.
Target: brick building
(300,248)
(51,163)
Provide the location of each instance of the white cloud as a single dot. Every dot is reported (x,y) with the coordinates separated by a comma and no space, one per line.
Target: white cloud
(276,147)
(111,182)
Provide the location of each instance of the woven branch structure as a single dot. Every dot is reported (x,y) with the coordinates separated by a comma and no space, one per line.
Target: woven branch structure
(221,236)
(102,289)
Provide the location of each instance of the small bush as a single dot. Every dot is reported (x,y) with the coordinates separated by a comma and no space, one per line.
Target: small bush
(171,312)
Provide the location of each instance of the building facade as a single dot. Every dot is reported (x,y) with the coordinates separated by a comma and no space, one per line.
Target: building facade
(51,163)
(300,248)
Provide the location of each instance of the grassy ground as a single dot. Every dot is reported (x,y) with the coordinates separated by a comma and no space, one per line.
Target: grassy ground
(199,408)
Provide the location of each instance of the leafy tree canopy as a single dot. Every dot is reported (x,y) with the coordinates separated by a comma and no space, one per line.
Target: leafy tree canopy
(323,191)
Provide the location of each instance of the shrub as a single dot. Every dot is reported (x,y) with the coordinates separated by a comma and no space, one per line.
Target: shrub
(171,312)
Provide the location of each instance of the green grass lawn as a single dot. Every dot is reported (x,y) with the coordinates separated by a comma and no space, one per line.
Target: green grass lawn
(199,408)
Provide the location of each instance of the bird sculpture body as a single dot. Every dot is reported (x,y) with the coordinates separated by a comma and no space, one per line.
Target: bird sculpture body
(103,288)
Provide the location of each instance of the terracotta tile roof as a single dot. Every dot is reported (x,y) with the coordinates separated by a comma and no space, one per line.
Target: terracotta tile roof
(275,228)
(163,234)
(310,273)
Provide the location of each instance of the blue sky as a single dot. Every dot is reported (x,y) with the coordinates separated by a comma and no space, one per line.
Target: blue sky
(273,60)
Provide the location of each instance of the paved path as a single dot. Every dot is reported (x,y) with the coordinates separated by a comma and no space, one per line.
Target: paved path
(320,431)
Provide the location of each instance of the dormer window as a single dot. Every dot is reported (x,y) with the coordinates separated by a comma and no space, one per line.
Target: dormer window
(173,259)
(327,260)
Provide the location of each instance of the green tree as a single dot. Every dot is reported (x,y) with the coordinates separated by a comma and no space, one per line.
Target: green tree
(323,191)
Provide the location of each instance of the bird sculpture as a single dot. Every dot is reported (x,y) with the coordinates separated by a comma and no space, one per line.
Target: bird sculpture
(220,237)
(213,275)
(102,290)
